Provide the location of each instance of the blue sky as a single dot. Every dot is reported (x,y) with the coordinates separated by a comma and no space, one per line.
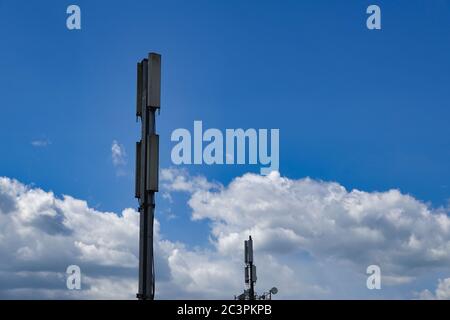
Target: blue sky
(368,109)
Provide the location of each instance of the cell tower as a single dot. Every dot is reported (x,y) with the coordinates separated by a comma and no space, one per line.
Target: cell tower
(147,167)
(250,276)
(250,268)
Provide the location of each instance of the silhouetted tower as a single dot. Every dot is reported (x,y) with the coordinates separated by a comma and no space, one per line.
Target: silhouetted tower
(147,166)
(250,268)
(250,277)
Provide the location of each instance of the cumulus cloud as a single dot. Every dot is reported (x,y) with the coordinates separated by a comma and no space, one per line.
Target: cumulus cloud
(41,234)
(327,223)
(442,291)
(313,239)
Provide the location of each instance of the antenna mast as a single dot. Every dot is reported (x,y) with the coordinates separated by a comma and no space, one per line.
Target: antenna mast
(147,167)
(250,268)
(250,276)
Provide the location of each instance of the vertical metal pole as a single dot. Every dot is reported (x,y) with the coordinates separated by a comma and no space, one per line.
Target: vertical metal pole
(248,245)
(147,163)
(147,215)
(150,216)
(252,285)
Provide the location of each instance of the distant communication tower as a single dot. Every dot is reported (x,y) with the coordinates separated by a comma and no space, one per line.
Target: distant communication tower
(250,268)
(250,276)
(147,166)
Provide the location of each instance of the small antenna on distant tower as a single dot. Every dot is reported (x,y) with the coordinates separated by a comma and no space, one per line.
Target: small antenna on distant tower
(250,268)
(250,276)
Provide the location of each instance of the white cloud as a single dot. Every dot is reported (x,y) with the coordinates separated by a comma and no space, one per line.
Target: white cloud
(180,180)
(118,154)
(389,228)
(322,220)
(313,239)
(442,291)
(119,158)
(41,234)
(41,143)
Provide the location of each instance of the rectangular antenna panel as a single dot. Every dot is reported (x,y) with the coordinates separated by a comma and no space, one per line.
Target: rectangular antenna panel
(152,162)
(139,91)
(248,251)
(138,171)
(247,275)
(154,80)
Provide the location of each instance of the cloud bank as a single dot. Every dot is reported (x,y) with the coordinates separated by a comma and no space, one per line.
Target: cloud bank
(313,239)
